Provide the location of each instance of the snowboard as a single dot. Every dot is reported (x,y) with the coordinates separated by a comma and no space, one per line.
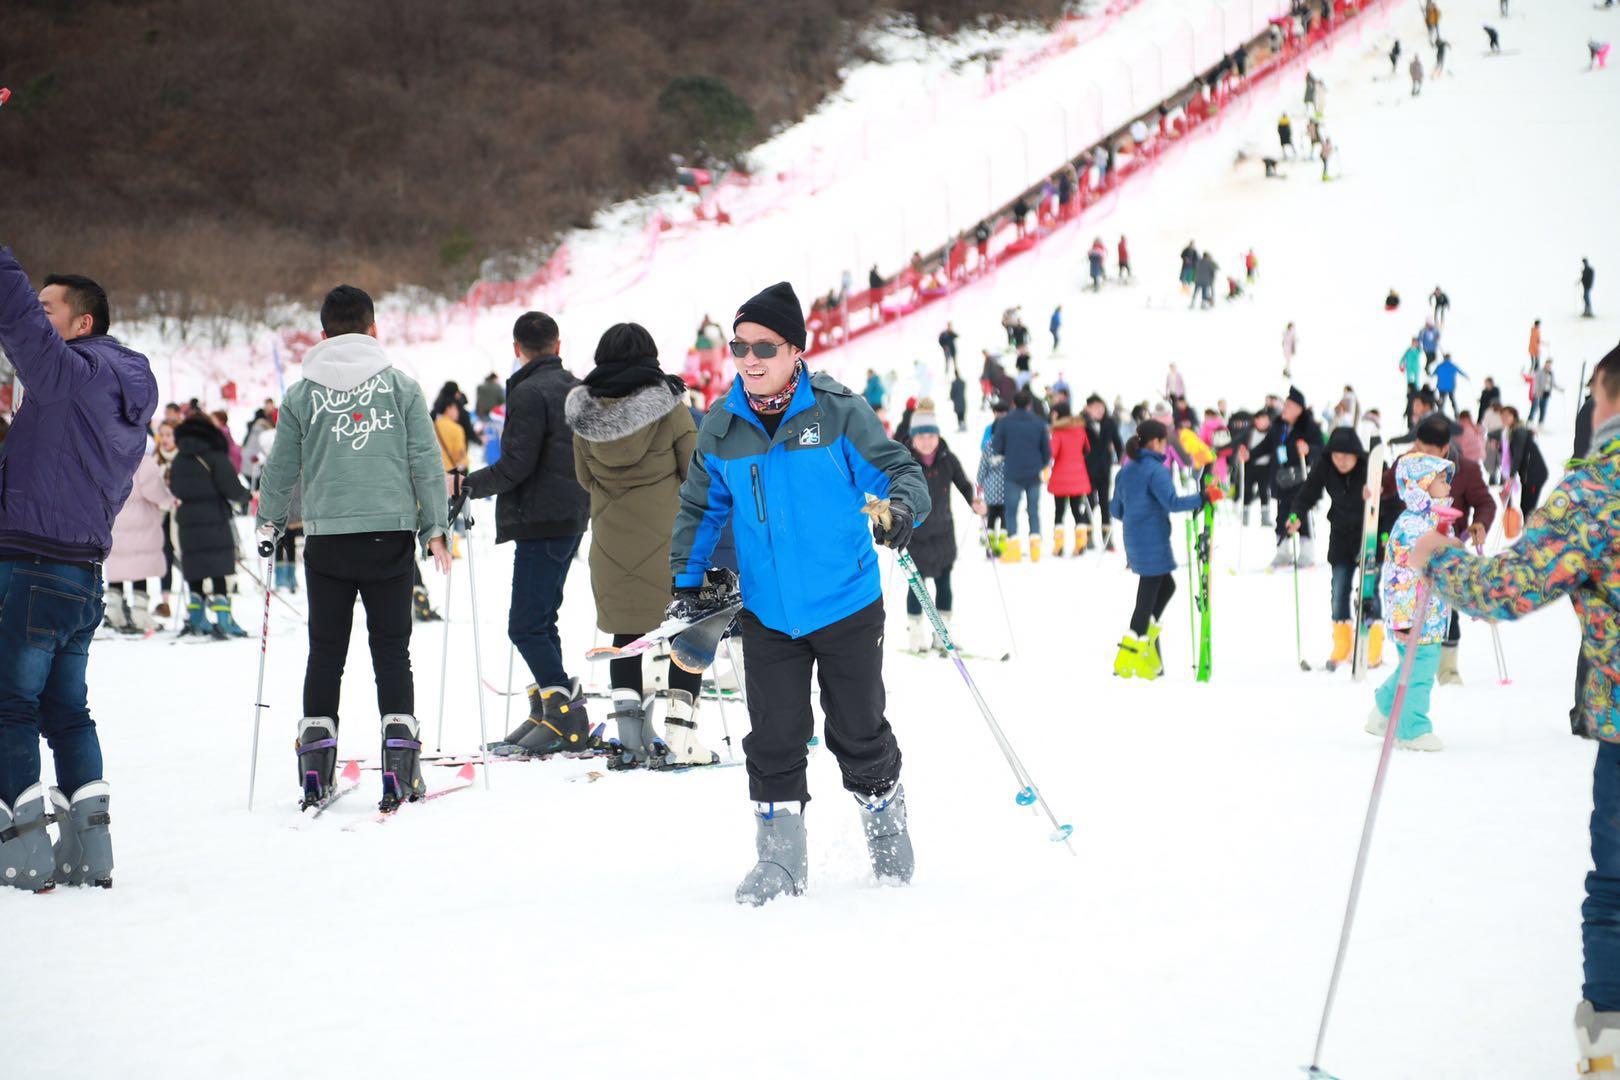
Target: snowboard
(1367,580)
(692,645)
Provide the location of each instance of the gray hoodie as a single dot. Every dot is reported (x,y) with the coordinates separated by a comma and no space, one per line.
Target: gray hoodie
(355,432)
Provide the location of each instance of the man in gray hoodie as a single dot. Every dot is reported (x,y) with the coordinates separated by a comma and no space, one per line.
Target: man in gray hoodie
(355,434)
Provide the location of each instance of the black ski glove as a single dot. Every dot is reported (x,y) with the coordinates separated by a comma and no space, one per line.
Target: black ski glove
(898,532)
(458,495)
(689,604)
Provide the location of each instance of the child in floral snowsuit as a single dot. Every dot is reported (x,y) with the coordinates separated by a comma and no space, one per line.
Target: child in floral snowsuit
(1424,485)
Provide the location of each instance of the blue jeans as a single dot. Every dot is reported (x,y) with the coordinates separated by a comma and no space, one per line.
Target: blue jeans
(48,613)
(1344,599)
(539,569)
(1600,913)
(1415,709)
(1016,492)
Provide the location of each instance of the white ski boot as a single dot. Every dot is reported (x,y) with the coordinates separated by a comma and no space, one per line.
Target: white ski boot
(1598,1036)
(1448,674)
(784,861)
(918,634)
(26,860)
(887,841)
(1427,741)
(140,616)
(1376,722)
(939,642)
(680,734)
(84,846)
(116,614)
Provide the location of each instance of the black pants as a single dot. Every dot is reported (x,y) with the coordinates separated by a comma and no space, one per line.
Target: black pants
(376,567)
(1285,506)
(942,595)
(995,516)
(1153,595)
(1102,483)
(1076,504)
(1257,482)
(848,658)
(626,674)
(200,587)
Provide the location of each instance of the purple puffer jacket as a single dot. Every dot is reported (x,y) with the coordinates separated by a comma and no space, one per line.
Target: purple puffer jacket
(69,461)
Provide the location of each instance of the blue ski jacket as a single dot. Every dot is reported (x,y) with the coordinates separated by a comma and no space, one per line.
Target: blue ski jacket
(804,549)
(1144,499)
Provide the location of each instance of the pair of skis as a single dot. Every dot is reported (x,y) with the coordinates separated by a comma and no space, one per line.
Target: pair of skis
(1367,570)
(1201,542)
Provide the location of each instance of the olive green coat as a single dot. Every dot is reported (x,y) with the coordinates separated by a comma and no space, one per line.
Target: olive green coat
(631,455)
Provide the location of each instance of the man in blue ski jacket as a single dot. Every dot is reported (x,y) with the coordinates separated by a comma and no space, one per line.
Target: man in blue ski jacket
(790,457)
(65,470)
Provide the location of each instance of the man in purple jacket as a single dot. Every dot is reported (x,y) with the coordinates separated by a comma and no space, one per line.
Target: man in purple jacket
(65,470)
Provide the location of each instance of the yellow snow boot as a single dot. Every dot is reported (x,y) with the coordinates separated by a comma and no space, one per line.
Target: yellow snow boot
(1125,659)
(1343,639)
(1035,547)
(1375,645)
(1082,534)
(1011,552)
(1148,664)
(1057,542)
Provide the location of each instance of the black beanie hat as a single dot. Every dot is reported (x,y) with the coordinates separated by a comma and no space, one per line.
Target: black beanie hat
(1296,396)
(1345,441)
(776,308)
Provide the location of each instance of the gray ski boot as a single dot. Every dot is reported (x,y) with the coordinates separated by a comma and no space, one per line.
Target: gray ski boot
(558,723)
(1597,1034)
(84,847)
(887,841)
(784,862)
(636,742)
(317,759)
(401,762)
(26,860)
(117,615)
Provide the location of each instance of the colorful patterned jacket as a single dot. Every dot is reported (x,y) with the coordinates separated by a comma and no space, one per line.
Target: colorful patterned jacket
(1398,584)
(1570,546)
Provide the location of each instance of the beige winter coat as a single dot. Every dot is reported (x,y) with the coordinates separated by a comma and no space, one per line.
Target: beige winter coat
(631,455)
(137,532)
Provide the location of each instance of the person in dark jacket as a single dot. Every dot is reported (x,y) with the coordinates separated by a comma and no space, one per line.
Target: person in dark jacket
(933,544)
(1341,473)
(1022,441)
(947,345)
(539,506)
(490,394)
(1144,499)
(209,491)
(959,399)
(66,468)
(1103,449)
(1524,459)
(1293,443)
(1204,281)
(1588,277)
(791,459)
(451,394)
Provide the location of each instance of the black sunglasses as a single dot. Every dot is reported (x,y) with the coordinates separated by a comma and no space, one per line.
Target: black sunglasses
(762,349)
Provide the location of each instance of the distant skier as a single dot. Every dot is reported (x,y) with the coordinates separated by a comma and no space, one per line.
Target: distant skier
(1431,20)
(1441,48)
(1143,501)
(1429,341)
(1285,135)
(1204,281)
(1445,381)
(1439,303)
(1535,345)
(933,543)
(1423,483)
(1189,266)
(1311,85)
(1103,450)
(1055,326)
(947,344)
(1588,276)
(1290,345)
(1412,369)
(1394,58)
(1069,482)
(1541,389)
(1250,266)
(1493,39)
(1123,267)
(1599,54)
(1415,69)
(1095,258)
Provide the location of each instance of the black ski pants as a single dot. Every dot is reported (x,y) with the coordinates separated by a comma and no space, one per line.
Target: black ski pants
(848,658)
(377,567)
(1153,593)
(626,674)
(1102,482)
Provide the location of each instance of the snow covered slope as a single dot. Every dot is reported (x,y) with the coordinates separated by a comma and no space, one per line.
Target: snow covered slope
(570,927)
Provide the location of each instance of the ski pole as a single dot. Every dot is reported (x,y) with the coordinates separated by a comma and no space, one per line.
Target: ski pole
(478,652)
(444,659)
(1299,648)
(267,549)
(995,575)
(1421,609)
(288,604)
(1192,597)
(511,662)
(720,697)
(1496,644)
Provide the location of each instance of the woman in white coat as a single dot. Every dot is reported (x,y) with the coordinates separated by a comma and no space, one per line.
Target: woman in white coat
(137,548)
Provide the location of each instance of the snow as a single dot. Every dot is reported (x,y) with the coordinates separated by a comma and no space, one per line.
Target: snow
(560,926)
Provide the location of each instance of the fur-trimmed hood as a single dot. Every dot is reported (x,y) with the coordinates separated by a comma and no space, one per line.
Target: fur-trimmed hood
(606,419)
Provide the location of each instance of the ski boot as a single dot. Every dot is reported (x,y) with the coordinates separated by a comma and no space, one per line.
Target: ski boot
(887,841)
(1083,538)
(197,618)
(224,624)
(557,722)
(421,609)
(937,642)
(1059,535)
(1448,675)
(401,762)
(1012,550)
(1375,645)
(1343,641)
(1125,660)
(636,744)
(317,759)
(1598,1036)
(680,733)
(1035,547)
(1377,722)
(117,615)
(1245,514)
(26,860)
(784,861)
(918,634)
(286,577)
(84,847)
(1149,664)
(1427,741)
(140,617)
(1266,520)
